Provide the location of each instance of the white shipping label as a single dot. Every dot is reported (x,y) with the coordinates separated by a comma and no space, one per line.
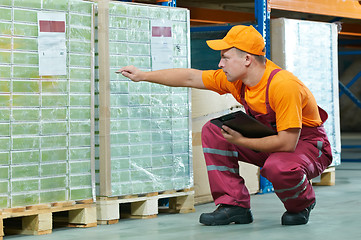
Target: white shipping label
(161,44)
(52,44)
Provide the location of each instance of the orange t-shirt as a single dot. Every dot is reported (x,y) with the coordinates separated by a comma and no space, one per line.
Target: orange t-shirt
(289,98)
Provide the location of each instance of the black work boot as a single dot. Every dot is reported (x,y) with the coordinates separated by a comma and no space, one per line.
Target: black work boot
(226,214)
(299,218)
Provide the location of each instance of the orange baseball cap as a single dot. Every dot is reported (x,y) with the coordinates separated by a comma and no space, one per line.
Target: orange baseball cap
(245,38)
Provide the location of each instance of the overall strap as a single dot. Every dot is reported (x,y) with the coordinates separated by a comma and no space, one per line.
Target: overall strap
(243,100)
(274,72)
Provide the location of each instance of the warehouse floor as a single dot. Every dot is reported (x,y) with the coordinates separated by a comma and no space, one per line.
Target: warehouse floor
(336,216)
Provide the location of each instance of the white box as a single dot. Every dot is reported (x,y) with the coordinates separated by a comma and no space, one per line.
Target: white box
(308,49)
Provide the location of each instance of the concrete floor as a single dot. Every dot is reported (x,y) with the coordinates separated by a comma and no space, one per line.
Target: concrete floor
(336,216)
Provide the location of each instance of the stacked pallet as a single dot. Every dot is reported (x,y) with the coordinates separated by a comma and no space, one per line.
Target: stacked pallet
(144,206)
(143,142)
(45,118)
(47,143)
(40,219)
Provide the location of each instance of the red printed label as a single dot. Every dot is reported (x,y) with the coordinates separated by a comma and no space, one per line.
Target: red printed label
(161,32)
(52,26)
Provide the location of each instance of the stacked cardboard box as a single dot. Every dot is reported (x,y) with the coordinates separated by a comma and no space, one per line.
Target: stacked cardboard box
(205,106)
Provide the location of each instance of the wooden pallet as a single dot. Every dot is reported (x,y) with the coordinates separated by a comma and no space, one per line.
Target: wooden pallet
(111,209)
(40,219)
(327,178)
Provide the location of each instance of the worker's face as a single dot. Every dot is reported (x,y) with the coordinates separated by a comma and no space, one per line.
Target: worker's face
(233,64)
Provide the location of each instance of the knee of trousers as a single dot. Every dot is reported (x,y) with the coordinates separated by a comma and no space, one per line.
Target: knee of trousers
(281,171)
(210,131)
(206,126)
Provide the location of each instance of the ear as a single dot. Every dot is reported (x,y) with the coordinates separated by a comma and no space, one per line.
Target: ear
(248,59)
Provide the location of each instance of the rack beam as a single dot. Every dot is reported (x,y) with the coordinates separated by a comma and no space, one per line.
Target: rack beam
(337,8)
(214,16)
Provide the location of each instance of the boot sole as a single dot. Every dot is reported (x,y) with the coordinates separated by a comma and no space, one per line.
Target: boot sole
(238,219)
(292,222)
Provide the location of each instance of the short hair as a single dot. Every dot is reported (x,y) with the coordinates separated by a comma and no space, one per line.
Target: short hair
(259,58)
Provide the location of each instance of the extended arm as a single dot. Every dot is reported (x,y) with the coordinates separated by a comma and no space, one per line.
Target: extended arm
(284,141)
(177,77)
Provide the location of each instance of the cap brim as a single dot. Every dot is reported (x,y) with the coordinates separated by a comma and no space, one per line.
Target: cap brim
(218,44)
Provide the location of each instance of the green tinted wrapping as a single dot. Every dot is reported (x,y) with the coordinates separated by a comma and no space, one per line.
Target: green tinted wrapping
(4,171)
(21,15)
(55,5)
(5,57)
(20,143)
(54,86)
(80,193)
(54,114)
(83,7)
(26,114)
(5,72)
(6,2)
(80,20)
(4,158)
(25,157)
(54,169)
(5,43)
(54,196)
(25,44)
(4,202)
(25,58)
(5,28)
(25,199)
(79,47)
(80,180)
(26,86)
(49,183)
(24,185)
(25,128)
(26,100)
(25,72)
(79,154)
(52,128)
(28,3)
(24,171)
(149,123)
(5,100)
(54,155)
(25,30)
(44,120)
(4,187)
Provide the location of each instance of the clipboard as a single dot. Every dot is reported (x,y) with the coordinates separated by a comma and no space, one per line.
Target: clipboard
(244,124)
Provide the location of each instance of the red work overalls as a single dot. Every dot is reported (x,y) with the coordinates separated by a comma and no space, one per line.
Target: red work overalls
(289,172)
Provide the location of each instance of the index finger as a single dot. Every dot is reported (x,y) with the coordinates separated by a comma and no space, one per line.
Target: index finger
(120,70)
(226,128)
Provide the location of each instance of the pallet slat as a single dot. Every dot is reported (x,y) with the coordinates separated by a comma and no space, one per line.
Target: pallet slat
(1,226)
(327,178)
(110,210)
(38,220)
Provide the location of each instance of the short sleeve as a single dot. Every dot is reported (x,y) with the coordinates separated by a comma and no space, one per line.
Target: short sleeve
(214,80)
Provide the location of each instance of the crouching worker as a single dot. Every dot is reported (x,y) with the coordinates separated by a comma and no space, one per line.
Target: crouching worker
(298,152)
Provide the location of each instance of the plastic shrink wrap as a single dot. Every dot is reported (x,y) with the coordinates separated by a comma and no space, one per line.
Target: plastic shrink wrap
(45,121)
(309,50)
(143,140)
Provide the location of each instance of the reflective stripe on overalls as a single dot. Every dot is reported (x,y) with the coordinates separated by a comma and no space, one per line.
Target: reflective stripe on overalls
(289,172)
